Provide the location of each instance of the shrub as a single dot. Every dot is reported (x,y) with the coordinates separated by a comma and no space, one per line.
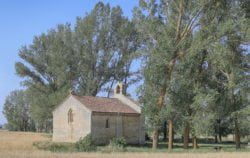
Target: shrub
(119,142)
(85,144)
(116,145)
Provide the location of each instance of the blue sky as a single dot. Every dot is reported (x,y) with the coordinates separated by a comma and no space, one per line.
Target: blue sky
(21,20)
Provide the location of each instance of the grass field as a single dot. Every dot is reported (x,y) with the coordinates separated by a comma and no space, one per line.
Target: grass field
(20,145)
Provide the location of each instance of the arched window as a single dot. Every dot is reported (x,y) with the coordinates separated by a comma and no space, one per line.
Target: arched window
(118,90)
(107,123)
(70,116)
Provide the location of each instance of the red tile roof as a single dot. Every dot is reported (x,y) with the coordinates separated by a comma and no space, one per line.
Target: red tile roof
(108,105)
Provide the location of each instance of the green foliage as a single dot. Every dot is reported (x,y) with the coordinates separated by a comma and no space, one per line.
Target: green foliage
(203,117)
(119,142)
(244,120)
(194,55)
(85,144)
(199,71)
(167,35)
(115,145)
(88,58)
(17,112)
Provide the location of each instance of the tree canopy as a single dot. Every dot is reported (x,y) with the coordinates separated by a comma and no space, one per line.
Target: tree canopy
(87,58)
(194,58)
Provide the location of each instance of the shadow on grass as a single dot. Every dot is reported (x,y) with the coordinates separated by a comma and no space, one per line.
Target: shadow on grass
(178,147)
(162,147)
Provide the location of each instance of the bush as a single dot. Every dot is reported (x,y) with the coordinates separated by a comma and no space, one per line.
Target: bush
(116,145)
(85,144)
(119,142)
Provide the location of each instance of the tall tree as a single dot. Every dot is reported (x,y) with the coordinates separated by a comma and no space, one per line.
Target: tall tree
(97,52)
(168,27)
(184,33)
(105,43)
(48,70)
(17,112)
(228,59)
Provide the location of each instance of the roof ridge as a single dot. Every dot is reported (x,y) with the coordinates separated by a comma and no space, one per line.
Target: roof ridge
(93,96)
(104,104)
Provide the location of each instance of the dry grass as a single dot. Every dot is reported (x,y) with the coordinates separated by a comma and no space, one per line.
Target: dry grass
(19,145)
(19,141)
(41,154)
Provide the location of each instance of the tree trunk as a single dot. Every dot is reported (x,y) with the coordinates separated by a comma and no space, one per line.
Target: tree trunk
(215,138)
(155,138)
(165,131)
(195,144)
(220,137)
(237,135)
(219,131)
(173,135)
(170,134)
(186,136)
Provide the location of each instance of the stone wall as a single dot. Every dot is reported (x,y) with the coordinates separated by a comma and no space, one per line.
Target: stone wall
(127,126)
(131,129)
(63,131)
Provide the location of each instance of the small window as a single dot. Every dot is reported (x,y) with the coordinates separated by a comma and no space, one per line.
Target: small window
(118,90)
(107,123)
(70,116)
